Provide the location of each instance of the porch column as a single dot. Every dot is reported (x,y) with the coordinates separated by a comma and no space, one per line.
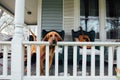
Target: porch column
(102,18)
(17,51)
(76,14)
(39,20)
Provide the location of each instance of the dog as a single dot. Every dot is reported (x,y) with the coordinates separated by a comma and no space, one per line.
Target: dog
(52,37)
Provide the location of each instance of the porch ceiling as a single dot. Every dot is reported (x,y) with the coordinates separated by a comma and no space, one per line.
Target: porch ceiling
(30,6)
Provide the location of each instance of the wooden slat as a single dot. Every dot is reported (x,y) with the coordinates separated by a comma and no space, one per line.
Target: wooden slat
(47,61)
(75,61)
(110,61)
(84,61)
(5,61)
(28,60)
(93,61)
(38,61)
(102,61)
(65,60)
(56,61)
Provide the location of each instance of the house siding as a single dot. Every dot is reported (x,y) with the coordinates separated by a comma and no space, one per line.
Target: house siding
(68,16)
(52,14)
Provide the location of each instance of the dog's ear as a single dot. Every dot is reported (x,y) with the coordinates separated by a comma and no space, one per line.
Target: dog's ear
(45,38)
(59,38)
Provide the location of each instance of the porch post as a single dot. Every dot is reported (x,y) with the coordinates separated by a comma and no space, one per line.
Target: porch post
(17,51)
(102,18)
(39,20)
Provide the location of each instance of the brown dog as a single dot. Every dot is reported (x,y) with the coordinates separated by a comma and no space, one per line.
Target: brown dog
(52,37)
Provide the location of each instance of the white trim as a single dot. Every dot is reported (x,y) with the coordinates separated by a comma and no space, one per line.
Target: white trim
(102,19)
(63,15)
(39,20)
(70,78)
(17,47)
(76,14)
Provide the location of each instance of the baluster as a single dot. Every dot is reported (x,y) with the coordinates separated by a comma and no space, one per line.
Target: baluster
(110,61)
(102,61)
(38,61)
(65,60)
(5,60)
(74,60)
(28,60)
(47,61)
(56,61)
(93,61)
(84,61)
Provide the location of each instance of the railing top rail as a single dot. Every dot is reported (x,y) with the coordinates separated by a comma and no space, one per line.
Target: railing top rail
(90,43)
(5,42)
(36,42)
(69,43)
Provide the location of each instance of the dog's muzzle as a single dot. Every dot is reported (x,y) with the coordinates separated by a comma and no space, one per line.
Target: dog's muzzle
(54,42)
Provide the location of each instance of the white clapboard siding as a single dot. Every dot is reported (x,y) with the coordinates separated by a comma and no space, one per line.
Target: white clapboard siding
(52,14)
(68,13)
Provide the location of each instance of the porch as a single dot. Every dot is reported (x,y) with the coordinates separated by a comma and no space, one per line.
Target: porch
(66,15)
(92,70)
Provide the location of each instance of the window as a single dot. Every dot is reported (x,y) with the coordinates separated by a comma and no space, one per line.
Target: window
(89,15)
(113,19)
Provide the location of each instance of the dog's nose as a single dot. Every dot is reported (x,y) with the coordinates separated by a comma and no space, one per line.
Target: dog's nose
(54,42)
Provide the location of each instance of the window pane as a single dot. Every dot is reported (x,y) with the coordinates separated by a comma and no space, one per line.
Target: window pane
(89,15)
(113,19)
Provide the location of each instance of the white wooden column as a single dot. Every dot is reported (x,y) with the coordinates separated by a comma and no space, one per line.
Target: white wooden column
(39,20)
(17,51)
(76,14)
(102,19)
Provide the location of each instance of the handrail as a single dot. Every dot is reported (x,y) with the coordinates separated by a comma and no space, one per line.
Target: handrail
(35,42)
(90,43)
(5,42)
(68,43)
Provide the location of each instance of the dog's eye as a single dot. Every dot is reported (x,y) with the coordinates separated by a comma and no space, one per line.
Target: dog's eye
(50,35)
(55,35)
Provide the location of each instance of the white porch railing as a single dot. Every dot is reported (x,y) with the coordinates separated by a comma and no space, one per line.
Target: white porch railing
(70,72)
(5,60)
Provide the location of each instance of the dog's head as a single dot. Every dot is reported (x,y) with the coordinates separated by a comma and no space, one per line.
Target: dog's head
(52,37)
